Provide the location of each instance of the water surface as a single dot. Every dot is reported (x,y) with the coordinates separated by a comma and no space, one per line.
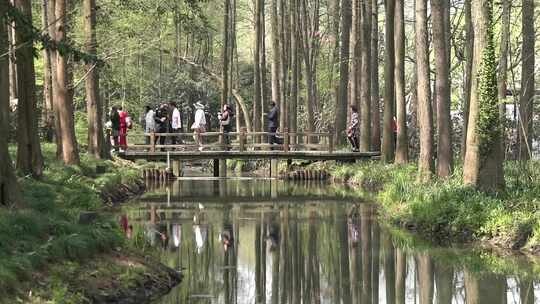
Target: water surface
(267,241)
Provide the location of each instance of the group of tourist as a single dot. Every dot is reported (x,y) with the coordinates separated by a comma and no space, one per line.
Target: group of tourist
(119,124)
(166,119)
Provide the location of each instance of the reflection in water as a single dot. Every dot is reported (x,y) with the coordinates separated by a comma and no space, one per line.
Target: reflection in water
(261,241)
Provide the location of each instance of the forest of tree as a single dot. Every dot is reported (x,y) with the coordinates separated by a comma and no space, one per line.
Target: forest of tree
(455,77)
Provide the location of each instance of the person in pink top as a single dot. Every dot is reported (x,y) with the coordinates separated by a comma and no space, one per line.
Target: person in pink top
(124,125)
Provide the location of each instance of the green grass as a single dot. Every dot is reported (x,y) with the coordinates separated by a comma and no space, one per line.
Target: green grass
(47,231)
(448,209)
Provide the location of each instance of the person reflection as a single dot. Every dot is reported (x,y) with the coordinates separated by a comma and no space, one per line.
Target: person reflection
(126,227)
(272,237)
(227,237)
(352,223)
(176,235)
(201,232)
(152,232)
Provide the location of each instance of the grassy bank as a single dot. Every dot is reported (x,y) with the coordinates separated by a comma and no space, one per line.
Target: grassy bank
(450,211)
(47,232)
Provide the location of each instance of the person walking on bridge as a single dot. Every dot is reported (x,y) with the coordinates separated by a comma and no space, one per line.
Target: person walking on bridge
(176,123)
(352,130)
(273,123)
(226,125)
(199,126)
(149,123)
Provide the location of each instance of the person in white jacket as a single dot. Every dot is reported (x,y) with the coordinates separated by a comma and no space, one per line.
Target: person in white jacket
(199,126)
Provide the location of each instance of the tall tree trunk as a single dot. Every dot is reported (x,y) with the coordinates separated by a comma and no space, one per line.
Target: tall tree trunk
(442,70)
(375,98)
(276,88)
(225,53)
(309,51)
(425,117)
(356,55)
(341,101)
(47,111)
(483,167)
(13,91)
(389,93)
(469,43)
(402,148)
(29,158)
(64,98)
(527,80)
(285,45)
(264,91)
(295,67)
(389,268)
(259,4)
(96,140)
(365,81)
(10,193)
(503,67)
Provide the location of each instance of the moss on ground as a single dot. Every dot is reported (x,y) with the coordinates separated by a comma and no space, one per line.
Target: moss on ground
(448,210)
(47,231)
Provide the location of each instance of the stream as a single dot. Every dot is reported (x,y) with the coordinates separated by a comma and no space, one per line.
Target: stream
(250,240)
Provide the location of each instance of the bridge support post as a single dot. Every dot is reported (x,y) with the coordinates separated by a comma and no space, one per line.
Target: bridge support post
(177,167)
(274,168)
(216,167)
(223,168)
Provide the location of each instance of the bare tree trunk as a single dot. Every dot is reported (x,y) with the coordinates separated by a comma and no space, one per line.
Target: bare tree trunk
(341,101)
(442,69)
(527,80)
(295,68)
(13,90)
(402,148)
(375,98)
(284,34)
(503,67)
(356,56)
(259,36)
(425,118)
(225,54)
(29,158)
(70,152)
(389,93)
(47,111)
(276,54)
(96,140)
(483,166)
(264,91)
(10,193)
(310,24)
(365,81)
(469,43)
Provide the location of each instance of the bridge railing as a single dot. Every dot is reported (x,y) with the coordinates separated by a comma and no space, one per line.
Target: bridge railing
(233,141)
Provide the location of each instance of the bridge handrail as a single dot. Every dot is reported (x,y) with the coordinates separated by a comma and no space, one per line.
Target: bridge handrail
(290,140)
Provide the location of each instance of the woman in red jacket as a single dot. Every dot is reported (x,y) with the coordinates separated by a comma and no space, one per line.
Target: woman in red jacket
(124,125)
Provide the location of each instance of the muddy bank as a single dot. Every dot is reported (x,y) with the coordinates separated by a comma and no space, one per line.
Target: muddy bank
(123,191)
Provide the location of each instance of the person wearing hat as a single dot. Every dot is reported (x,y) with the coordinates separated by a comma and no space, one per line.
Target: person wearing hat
(199,126)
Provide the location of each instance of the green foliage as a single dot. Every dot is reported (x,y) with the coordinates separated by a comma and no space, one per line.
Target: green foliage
(449,210)
(48,230)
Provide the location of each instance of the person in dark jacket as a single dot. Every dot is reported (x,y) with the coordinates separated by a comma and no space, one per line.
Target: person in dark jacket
(115,126)
(273,123)
(352,130)
(162,122)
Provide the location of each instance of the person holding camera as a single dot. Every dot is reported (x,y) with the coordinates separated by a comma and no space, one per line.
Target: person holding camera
(226,124)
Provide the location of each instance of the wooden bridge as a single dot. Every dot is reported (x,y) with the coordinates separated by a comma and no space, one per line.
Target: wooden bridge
(220,147)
